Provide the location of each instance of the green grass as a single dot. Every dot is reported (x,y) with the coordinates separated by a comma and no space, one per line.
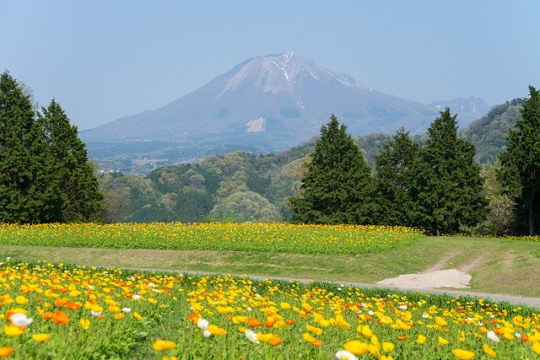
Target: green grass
(497,265)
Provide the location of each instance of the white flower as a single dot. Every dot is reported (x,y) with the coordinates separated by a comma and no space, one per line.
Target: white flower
(20,320)
(344,354)
(249,308)
(518,335)
(126,310)
(95,313)
(339,288)
(371,312)
(151,284)
(480,323)
(207,333)
(492,336)
(136,297)
(425,316)
(133,278)
(202,323)
(403,307)
(364,305)
(252,336)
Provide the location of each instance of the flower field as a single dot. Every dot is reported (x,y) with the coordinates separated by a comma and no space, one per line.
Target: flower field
(284,238)
(62,312)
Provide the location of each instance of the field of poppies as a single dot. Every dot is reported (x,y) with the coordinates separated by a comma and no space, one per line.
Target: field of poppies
(65,312)
(58,311)
(282,238)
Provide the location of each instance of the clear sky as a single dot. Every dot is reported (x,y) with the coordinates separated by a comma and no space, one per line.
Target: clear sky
(104,59)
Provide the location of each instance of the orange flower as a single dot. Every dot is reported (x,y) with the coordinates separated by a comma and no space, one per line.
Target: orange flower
(73,305)
(404,337)
(47,315)
(253,322)
(276,340)
(61,301)
(60,318)
(290,322)
(5,351)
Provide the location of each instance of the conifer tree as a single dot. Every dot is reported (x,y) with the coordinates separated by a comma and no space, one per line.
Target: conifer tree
(82,200)
(520,172)
(337,188)
(448,186)
(28,189)
(395,177)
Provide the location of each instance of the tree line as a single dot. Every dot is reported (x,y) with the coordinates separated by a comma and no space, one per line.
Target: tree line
(430,181)
(437,187)
(45,175)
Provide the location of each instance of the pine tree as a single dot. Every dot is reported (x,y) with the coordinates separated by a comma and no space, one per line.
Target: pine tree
(82,200)
(337,188)
(28,190)
(520,172)
(395,177)
(448,186)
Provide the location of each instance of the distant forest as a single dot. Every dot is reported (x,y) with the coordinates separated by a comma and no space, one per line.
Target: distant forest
(241,186)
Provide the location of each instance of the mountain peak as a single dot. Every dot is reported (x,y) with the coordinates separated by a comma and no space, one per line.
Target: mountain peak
(277,73)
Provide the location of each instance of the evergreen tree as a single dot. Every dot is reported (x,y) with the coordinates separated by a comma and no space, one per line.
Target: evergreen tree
(520,173)
(395,178)
(78,185)
(337,188)
(448,186)
(28,188)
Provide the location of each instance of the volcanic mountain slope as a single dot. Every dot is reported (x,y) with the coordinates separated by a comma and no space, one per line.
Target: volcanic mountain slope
(284,97)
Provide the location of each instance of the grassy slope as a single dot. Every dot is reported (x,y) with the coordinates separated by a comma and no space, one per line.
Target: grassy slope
(497,265)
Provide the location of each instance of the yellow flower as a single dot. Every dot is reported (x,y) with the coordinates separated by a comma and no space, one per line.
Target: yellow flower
(536,348)
(314,330)
(41,337)
(265,337)
(216,330)
(12,330)
(85,323)
(488,351)
(137,316)
(285,306)
(388,346)
(442,341)
(163,345)
(365,331)
(463,354)
(21,300)
(440,321)
(356,347)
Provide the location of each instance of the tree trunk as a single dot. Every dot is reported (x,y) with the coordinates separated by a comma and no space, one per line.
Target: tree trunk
(531,220)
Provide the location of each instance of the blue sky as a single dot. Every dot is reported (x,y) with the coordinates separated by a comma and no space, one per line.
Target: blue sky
(102,60)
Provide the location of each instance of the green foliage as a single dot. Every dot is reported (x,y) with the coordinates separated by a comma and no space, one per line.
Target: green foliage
(489,133)
(448,186)
(521,161)
(29,190)
(245,206)
(337,188)
(77,183)
(395,178)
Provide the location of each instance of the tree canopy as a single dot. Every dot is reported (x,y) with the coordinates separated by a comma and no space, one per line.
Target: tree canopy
(44,170)
(520,170)
(337,188)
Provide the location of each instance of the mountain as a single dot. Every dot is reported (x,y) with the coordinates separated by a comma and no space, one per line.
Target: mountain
(265,104)
(489,132)
(468,109)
